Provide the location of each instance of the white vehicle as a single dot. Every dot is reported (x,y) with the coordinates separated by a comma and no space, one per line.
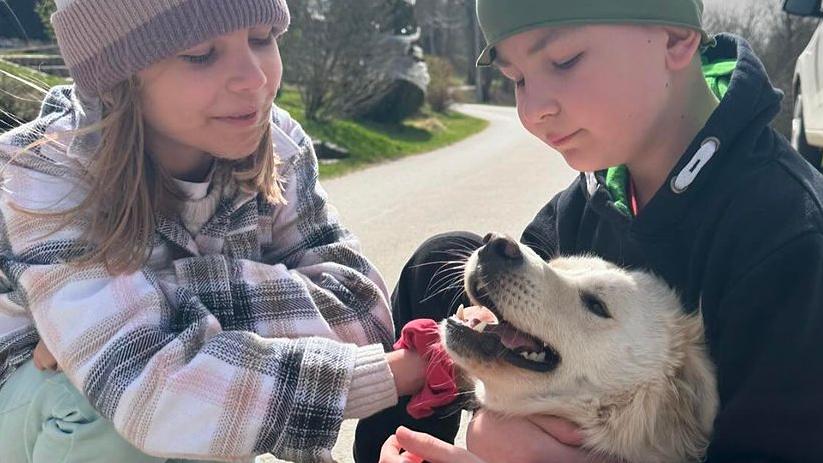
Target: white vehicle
(807,122)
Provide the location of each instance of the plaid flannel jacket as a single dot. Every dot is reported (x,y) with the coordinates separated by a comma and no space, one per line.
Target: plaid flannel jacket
(238,341)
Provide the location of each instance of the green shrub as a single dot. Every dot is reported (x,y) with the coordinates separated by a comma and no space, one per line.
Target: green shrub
(442,74)
(44,9)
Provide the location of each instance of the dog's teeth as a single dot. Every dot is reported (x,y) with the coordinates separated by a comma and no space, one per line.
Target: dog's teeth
(481,327)
(534,356)
(461,313)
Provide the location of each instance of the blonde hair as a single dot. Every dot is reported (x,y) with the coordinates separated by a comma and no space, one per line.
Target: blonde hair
(127,187)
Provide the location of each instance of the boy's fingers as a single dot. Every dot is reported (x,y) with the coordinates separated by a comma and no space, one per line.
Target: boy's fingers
(392,452)
(408,457)
(432,449)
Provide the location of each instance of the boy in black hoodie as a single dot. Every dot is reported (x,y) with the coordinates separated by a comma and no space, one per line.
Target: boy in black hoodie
(682,176)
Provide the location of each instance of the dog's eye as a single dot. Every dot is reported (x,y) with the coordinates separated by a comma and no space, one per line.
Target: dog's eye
(595,305)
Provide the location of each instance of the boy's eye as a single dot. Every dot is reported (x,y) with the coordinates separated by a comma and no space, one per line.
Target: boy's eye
(568,64)
(199,59)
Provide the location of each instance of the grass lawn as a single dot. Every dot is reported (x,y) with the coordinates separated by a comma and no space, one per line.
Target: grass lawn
(371,142)
(21,91)
(38,78)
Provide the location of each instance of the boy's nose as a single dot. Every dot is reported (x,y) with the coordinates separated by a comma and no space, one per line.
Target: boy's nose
(538,108)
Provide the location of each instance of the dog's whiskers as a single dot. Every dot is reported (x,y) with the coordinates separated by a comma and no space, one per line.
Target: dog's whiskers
(452,256)
(455,299)
(436,262)
(448,275)
(456,284)
(467,243)
(445,278)
(451,281)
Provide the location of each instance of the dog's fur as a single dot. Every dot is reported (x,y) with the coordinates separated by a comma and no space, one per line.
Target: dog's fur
(638,382)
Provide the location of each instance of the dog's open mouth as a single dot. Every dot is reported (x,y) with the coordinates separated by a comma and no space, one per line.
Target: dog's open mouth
(484,332)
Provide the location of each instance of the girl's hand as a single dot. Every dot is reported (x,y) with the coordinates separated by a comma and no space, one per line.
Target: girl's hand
(43,360)
(409,371)
(439,386)
(421,447)
(537,439)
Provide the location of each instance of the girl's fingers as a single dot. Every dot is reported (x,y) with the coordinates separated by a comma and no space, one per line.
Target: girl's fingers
(43,360)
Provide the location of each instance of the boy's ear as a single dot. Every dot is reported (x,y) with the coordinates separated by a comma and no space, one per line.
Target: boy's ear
(681,46)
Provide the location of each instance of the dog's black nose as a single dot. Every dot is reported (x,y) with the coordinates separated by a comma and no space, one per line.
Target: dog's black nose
(503,246)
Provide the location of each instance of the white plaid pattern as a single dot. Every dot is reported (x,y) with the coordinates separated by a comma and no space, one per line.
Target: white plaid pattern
(235,342)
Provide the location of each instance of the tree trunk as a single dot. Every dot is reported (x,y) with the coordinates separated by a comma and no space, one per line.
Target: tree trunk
(472,32)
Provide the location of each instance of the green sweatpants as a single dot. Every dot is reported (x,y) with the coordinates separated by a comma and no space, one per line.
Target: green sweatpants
(43,418)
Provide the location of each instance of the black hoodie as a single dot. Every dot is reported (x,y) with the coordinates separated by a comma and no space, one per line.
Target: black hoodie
(744,243)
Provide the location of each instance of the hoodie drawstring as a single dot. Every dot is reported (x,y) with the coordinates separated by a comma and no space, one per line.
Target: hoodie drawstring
(684,179)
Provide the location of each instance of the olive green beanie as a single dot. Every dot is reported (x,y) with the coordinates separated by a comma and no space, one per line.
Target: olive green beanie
(500,19)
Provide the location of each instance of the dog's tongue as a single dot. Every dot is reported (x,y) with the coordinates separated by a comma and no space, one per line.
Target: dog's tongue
(509,336)
(513,339)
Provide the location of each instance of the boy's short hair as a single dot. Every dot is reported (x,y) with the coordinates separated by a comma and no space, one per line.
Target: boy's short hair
(500,19)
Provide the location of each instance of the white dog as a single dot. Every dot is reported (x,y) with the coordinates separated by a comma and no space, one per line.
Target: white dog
(609,349)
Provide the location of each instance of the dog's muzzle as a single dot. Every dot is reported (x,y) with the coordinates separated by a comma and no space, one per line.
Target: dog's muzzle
(499,255)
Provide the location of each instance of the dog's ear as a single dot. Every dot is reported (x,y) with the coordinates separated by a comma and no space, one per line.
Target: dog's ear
(694,402)
(698,374)
(671,419)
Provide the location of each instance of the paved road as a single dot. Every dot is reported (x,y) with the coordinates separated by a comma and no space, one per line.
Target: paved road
(496,180)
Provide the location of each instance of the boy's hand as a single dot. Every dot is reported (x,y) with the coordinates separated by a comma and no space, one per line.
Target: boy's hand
(536,439)
(43,360)
(421,447)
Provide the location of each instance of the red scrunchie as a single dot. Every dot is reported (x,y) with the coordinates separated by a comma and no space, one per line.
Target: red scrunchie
(422,336)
